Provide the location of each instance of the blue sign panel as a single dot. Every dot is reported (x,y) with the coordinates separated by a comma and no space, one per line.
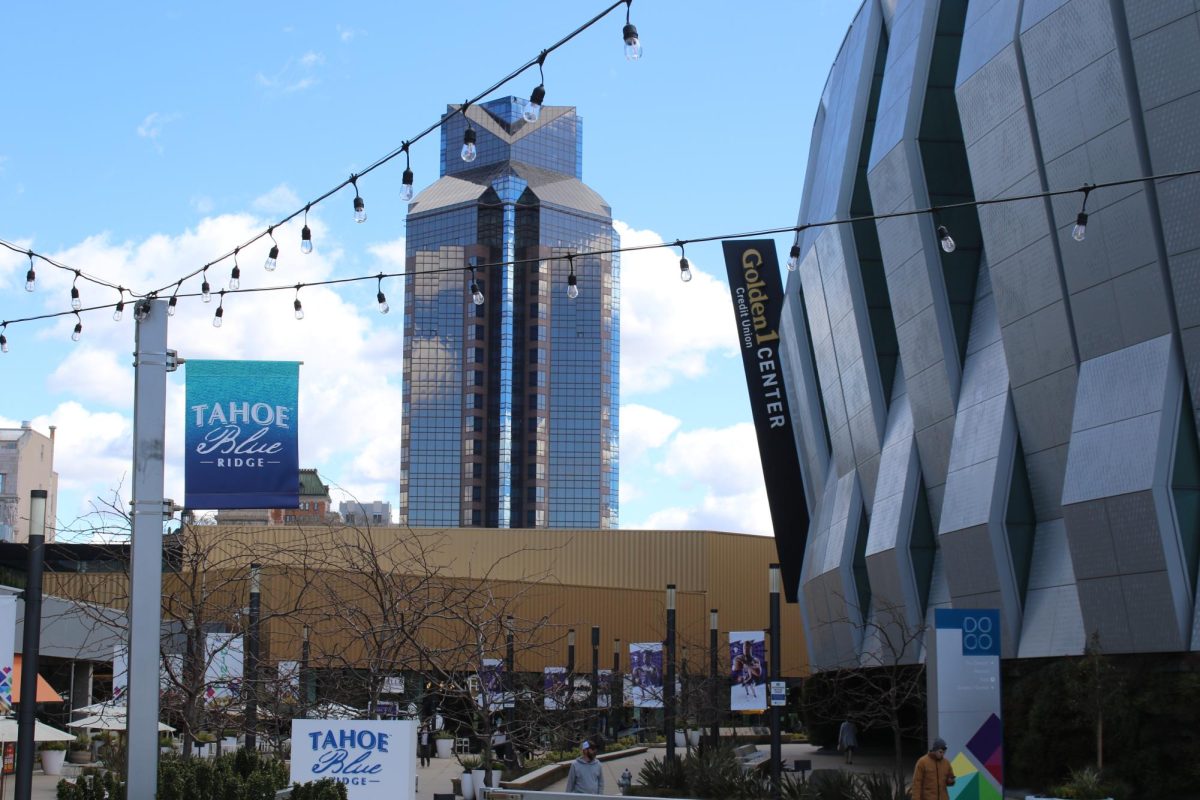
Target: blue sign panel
(241,445)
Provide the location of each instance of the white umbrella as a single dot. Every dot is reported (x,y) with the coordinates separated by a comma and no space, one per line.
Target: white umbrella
(41,732)
(105,708)
(111,722)
(329,710)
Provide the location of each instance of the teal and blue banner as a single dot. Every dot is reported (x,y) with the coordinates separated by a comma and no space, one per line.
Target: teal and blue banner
(241,446)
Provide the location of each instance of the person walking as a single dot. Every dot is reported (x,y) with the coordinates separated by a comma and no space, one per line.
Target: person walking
(933,774)
(423,744)
(848,740)
(585,775)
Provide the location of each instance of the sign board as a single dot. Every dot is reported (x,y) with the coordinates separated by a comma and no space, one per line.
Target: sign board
(8,639)
(376,759)
(646,674)
(747,670)
(241,443)
(778,693)
(967,685)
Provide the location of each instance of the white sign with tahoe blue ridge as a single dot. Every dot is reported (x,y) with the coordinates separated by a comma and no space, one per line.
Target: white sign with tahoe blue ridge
(376,759)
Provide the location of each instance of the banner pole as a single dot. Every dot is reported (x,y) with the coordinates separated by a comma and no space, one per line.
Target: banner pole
(152,362)
(32,643)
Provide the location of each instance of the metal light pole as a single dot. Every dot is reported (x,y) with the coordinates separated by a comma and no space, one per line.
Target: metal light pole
(32,642)
(616,688)
(305,671)
(669,681)
(509,675)
(714,693)
(776,741)
(570,666)
(253,640)
(595,666)
(152,362)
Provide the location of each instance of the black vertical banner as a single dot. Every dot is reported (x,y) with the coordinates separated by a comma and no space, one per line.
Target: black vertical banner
(757,293)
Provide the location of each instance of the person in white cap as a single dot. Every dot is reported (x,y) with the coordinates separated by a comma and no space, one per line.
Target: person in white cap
(585,775)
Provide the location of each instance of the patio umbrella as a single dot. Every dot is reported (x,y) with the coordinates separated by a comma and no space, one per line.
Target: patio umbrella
(111,722)
(104,708)
(330,710)
(41,732)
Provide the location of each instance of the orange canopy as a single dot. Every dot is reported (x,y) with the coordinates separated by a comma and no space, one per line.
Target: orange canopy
(45,692)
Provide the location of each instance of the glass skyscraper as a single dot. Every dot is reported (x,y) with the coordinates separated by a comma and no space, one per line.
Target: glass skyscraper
(510,406)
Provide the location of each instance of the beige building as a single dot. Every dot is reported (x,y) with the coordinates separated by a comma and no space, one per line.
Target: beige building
(26,463)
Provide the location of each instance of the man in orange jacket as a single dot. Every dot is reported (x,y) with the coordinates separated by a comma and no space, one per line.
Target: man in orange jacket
(933,774)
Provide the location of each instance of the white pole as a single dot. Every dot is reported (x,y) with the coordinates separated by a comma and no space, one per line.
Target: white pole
(152,361)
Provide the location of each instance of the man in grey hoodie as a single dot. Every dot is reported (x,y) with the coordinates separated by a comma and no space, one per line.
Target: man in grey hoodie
(585,775)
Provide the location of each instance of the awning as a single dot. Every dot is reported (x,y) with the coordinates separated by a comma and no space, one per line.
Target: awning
(45,692)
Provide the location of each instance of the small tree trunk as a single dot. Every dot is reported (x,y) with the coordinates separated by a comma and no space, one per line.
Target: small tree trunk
(1100,739)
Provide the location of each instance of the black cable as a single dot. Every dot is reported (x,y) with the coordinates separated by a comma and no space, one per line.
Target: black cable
(25,251)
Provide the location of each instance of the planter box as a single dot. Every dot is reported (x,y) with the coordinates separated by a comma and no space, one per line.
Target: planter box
(445,747)
(52,761)
(79,756)
(468,786)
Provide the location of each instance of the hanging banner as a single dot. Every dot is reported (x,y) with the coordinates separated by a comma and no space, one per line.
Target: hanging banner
(375,759)
(120,670)
(554,688)
(747,668)
(241,446)
(967,677)
(8,638)
(288,673)
(646,674)
(604,689)
(489,686)
(223,676)
(757,295)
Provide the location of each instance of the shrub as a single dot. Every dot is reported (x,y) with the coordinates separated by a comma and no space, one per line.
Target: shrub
(324,789)
(1089,783)
(53,746)
(470,761)
(81,743)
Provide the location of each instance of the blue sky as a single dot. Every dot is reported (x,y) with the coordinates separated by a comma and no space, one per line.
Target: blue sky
(143,139)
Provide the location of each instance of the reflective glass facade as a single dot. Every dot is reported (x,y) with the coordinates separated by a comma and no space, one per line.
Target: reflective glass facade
(510,407)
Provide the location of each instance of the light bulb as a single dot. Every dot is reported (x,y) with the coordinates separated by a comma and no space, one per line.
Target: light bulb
(171,305)
(298,308)
(383,303)
(305,240)
(633,45)
(119,311)
(3,343)
(360,209)
(685,270)
(272,259)
(572,287)
(1079,232)
(30,280)
(468,149)
(235,277)
(77,333)
(206,291)
(533,109)
(476,294)
(793,262)
(406,186)
(219,317)
(946,239)
(76,303)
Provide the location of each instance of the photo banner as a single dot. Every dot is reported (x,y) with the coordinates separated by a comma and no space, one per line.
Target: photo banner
(8,638)
(120,670)
(241,447)
(646,674)
(223,675)
(747,669)
(491,682)
(967,676)
(375,759)
(604,688)
(757,293)
(554,688)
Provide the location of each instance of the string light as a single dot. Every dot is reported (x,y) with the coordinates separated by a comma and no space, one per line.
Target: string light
(476,292)
(406,181)
(1079,232)
(685,269)
(78,332)
(235,275)
(3,338)
(533,109)
(793,262)
(380,298)
(360,208)
(272,257)
(76,303)
(945,239)
(572,285)
(119,311)
(469,151)
(297,306)
(30,276)
(633,45)
(174,300)
(141,310)
(306,245)
(205,289)
(219,316)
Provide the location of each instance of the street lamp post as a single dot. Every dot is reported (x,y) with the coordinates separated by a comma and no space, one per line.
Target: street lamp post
(570,667)
(616,688)
(714,693)
(32,643)
(510,679)
(776,741)
(669,681)
(596,673)
(253,639)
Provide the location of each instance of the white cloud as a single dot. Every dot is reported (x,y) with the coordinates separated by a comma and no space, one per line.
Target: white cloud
(311,59)
(643,429)
(203,204)
(94,374)
(152,127)
(296,75)
(668,330)
(346,35)
(279,200)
